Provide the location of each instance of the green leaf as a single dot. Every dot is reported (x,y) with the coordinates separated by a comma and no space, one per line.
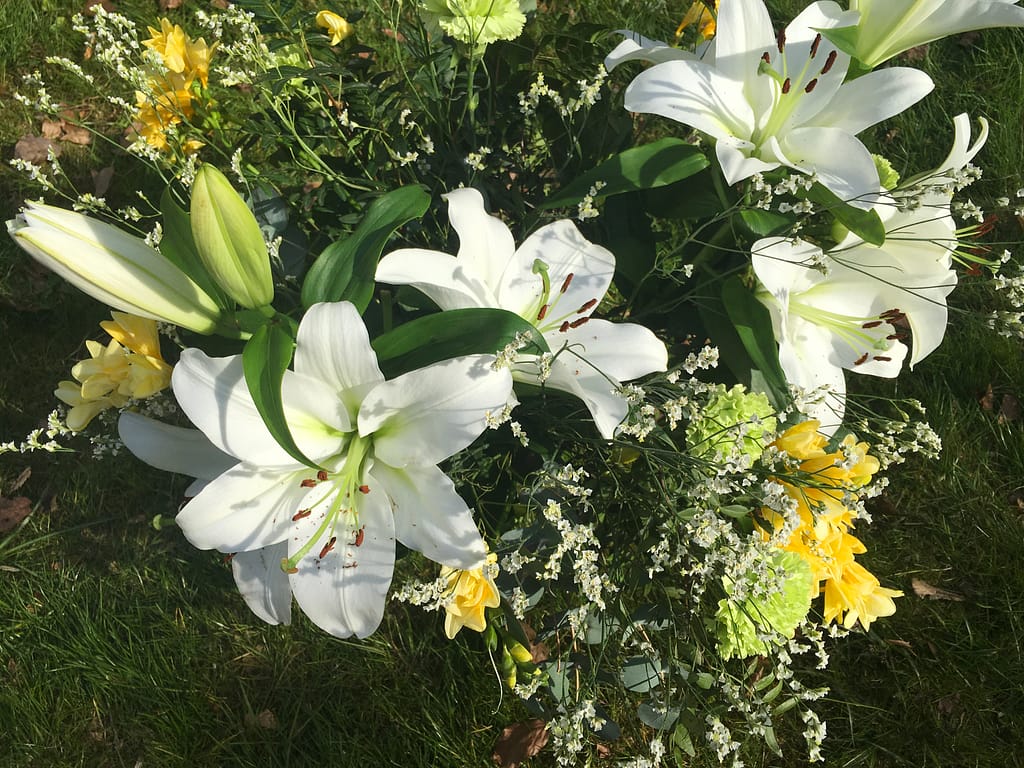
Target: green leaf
(656,717)
(843,38)
(345,269)
(179,248)
(264,360)
(640,674)
(652,165)
(867,225)
(753,324)
(449,334)
(682,740)
(764,223)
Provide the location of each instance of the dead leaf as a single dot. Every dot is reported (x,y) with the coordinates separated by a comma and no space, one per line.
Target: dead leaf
(222,4)
(76,134)
(52,129)
(20,480)
(987,400)
(13,511)
(1009,409)
(266,720)
(101,180)
(519,742)
(969,39)
(34,149)
(108,6)
(926,590)
(169,4)
(917,53)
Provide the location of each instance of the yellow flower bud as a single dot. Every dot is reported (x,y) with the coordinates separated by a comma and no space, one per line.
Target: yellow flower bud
(335,25)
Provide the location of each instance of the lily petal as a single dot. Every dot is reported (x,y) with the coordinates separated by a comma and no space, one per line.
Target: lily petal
(621,351)
(600,394)
(843,164)
(343,592)
(425,416)
(636,47)
(485,242)
(430,517)
(874,97)
(262,583)
(172,449)
(444,279)
(244,508)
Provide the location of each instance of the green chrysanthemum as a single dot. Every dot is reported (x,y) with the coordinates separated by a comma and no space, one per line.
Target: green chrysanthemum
(475,22)
(718,430)
(738,624)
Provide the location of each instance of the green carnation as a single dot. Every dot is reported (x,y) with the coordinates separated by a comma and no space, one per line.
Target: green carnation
(738,624)
(475,22)
(887,175)
(717,431)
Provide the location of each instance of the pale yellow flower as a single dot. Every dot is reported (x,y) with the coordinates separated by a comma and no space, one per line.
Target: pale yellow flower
(181,54)
(337,27)
(129,367)
(159,111)
(469,594)
(822,537)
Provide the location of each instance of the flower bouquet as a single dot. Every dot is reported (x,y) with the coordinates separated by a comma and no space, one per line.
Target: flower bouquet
(540,327)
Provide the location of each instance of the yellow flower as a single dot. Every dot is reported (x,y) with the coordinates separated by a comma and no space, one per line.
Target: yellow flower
(181,54)
(822,490)
(159,111)
(335,25)
(130,366)
(469,593)
(698,13)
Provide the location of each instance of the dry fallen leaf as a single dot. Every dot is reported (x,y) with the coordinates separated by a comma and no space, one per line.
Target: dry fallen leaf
(1009,409)
(168,4)
(34,149)
(108,6)
(13,511)
(76,134)
(926,590)
(266,720)
(519,742)
(51,129)
(987,400)
(101,180)
(20,480)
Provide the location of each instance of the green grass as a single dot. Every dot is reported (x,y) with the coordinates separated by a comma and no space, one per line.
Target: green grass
(121,644)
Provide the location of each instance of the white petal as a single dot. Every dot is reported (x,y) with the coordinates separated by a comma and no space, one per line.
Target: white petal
(785,266)
(621,351)
(427,415)
(430,517)
(332,345)
(596,390)
(636,47)
(213,394)
(743,32)
(842,163)
(696,94)
(874,97)
(565,252)
(172,449)
(444,279)
(262,583)
(343,593)
(245,508)
(485,242)
(737,164)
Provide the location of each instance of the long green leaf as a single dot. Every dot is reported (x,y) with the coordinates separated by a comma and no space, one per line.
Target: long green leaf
(866,225)
(178,247)
(345,269)
(454,333)
(264,360)
(754,326)
(657,164)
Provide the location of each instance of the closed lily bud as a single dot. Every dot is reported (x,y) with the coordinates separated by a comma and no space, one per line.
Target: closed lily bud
(519,652)
(113,267)
(229,240)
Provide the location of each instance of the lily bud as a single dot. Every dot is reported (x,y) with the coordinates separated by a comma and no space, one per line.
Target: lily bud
(519,652)
(113,267)
(229,240)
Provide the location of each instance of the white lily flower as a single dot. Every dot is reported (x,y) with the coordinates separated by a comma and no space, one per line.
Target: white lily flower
(554,280)
(113,267)
(846,310)
(329,535)
(889,27)
(636,47)
(781,101)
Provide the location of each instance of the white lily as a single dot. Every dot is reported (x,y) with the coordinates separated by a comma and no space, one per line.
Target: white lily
(781,101)
(554,280)
(636,47)
(113,267)
(842,310)
(889,27)
(378,443)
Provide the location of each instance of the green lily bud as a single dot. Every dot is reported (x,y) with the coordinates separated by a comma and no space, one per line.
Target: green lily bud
(519,652)
(508,668)
(229,240)
(113,267)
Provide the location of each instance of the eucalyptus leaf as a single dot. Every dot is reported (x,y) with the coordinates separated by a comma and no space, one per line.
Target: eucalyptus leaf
(657,164)
(345,269)
(265,358)
(659,718)
(641,674)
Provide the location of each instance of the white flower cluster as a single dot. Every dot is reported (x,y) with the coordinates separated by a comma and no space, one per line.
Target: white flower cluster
(34,440)
(569,731)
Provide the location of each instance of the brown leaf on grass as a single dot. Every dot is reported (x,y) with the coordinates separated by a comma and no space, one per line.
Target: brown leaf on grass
(90,5)
(1009,409)
(13,511)
(519,742)
(51,129)
(969,39)
(987,400)
(926,590)
(266,720)
(34,149)
(20,480)
(76,134)
(917,53)
(222,4)
(101,180)
(169,4)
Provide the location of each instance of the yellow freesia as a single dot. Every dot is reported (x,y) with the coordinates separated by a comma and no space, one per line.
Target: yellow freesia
(181,54)
(822,490)
(698,13)
(469,594)
(337,27)
(129,367)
